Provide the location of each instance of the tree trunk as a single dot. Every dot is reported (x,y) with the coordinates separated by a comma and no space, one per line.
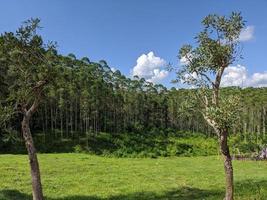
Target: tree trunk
(228,168)
(35,171)
(51,117)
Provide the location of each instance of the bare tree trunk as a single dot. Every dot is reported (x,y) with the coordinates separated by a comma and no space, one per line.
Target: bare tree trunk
(51,117)
(25,125)
(76,115)
(61,123)
(264,123)
(71,119)
(34,165)
(46,123)
(228,168)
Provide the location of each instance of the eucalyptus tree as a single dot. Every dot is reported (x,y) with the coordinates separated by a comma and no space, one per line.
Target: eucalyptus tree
(3,81)
(217,47)
(29,64)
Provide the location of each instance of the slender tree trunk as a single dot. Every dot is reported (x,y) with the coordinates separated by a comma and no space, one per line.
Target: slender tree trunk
(228,168)
(34,165)
(66,123)
(46,122)
(56,114)
(61,124)
(76,115)
(264,123)
(43,125)
(81,119)
(71,120)
(51,117)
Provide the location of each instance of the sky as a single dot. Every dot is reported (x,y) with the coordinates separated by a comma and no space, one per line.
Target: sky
(139,37)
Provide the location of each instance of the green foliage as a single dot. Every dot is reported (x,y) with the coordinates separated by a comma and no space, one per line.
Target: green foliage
(155,143)
(78,149)
(204,65)
(151,144)
(247,144)
(28,61)
(126,117)
(5,115)
(217,45)
(227,113)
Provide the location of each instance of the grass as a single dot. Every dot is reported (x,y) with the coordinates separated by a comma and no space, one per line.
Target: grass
(87,177)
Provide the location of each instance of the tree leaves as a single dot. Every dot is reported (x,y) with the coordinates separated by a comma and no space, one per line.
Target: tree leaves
(217,47)
(226,114)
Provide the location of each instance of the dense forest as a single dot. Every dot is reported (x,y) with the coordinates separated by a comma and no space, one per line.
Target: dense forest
(87,98)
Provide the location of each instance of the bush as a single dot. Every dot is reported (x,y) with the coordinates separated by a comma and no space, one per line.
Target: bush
(78,149)
(153,143)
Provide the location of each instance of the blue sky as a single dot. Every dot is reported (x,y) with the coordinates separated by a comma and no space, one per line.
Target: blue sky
(120,31)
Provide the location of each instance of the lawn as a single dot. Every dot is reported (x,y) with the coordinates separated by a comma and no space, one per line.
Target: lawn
(87,177)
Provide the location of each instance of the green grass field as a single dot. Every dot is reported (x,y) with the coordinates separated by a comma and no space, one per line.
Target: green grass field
(86,177)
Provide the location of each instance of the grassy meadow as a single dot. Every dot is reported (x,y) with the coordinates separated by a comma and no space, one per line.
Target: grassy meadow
(86,177)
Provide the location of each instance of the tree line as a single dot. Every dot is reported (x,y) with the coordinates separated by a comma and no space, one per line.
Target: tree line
(88,97)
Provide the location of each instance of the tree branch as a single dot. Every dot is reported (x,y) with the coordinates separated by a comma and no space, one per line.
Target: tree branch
(38,94)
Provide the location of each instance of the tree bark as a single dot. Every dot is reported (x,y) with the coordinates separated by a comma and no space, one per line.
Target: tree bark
(37,191)
(228,168)
(34,165)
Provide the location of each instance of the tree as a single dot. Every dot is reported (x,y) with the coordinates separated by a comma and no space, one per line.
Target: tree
(29,63)
(217,48)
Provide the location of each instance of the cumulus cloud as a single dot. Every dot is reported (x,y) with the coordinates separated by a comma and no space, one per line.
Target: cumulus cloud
(190,77)
(234,76)
(150,67)
(158,75)
(238,76)
(247,34)
(186,59)
(259,80)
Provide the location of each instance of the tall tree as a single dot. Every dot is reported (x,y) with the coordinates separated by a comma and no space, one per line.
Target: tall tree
(217,47)
(29,64)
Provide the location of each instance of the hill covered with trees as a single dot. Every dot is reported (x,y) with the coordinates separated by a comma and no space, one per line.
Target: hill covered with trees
(87,98)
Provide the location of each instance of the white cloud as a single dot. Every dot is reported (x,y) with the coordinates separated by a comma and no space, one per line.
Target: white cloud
(113,69)
(234,76)
(185,59)
(247,34)
(158,75)
(259,80)
(238,76)
(188,77)
(150,67)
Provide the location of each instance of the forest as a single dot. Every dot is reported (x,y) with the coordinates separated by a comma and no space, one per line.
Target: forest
(88,98)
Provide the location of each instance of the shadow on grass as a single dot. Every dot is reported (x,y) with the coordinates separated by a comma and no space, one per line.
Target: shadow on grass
(182,194)
(245,189)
